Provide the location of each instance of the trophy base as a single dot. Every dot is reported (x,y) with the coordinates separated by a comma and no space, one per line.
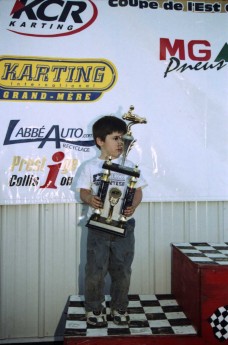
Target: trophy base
(114,227)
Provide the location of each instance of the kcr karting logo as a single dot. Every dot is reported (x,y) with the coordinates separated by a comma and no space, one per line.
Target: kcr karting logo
(51,18)
(55,80)
(198,51)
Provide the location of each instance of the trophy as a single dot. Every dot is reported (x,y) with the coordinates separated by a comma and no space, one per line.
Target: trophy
(110,218)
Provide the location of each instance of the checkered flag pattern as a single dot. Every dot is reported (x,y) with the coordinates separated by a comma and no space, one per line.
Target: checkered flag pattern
(219,323)
(205,253)
(149,315)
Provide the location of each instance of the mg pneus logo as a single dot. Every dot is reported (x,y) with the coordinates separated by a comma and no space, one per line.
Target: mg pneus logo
(51,18)
(55,80)
(199,51)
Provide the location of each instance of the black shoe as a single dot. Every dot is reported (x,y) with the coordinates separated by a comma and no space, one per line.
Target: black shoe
(120,317)
(96,319)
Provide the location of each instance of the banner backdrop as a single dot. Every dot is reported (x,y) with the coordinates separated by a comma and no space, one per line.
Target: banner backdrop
(65,63)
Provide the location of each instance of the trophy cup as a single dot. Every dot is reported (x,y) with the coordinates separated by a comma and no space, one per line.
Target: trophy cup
(111,217)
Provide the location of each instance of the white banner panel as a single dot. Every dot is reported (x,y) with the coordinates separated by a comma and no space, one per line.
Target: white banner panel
(63,64)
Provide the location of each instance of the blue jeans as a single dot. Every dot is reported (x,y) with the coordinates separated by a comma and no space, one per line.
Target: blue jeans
(108,253)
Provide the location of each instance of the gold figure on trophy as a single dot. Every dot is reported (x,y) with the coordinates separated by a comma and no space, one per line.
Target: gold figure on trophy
(128,139)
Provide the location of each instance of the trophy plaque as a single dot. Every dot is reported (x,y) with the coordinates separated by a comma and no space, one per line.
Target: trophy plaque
(110,218)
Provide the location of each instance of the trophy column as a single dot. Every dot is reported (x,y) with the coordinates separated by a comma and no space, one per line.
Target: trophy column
(102,191)
(129,196)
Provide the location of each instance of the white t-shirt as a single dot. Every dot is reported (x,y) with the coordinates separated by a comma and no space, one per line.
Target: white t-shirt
(90,176)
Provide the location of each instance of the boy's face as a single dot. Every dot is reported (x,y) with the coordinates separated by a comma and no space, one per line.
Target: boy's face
(111,146)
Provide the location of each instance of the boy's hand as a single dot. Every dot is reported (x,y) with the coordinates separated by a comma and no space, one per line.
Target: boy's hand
(136,201)
(128,212)
(94,201)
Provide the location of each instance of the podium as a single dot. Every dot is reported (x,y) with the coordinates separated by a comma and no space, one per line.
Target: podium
(200,285)
(195,313)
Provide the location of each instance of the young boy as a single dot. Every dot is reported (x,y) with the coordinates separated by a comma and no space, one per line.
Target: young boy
(106,252)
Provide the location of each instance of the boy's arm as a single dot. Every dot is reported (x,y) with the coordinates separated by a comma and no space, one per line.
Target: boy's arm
(90,199)
(136,201)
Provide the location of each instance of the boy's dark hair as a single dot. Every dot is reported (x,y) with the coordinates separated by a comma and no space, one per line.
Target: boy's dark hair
(107,125)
